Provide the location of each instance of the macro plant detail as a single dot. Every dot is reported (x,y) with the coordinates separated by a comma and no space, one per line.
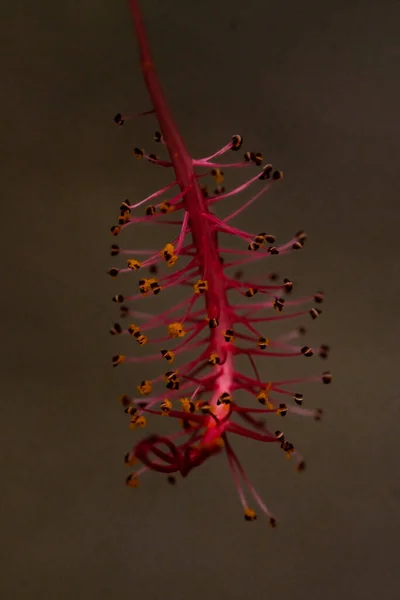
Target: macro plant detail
(223,315)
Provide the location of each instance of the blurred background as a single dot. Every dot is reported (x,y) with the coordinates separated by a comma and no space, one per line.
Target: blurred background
(315,87)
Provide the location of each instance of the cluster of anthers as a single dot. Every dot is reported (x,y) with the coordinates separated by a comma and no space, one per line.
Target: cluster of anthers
(202,394)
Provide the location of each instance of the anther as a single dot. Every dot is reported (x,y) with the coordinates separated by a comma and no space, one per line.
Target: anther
(113,272)
(225,398)
(219,190)
(130,459)
(125,400)
(118,299)
(123,312)
(307,351)
(318,414)
(324,351)
(272,522)
(218,175)
(213,322)
(166,406)
(116,329)
(204,191)
(187,405)
(266,172)
(282,410)
(166,207)
(288,285)
(237,142)
(277,175)
(301,236)
(263,343)
(134,264)
(298,398)
(251,292)
(138,153)
(168,355)
(150,211)
(250,514)
(168,253)
(200,286)
(123,218)
(115,230)
(115,250)
(278,304)
(125,207)
(132,481)
(176,330)
(326,377)
(214,359)
(118,119)
(118,359)
(314,313)
(228,335)
(145,387)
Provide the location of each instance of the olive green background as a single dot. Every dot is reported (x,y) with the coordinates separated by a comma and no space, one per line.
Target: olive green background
(315,87)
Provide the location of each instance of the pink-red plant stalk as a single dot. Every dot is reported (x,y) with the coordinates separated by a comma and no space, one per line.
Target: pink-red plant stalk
(202,394)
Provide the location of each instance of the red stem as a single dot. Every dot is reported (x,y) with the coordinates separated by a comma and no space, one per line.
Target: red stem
(204,238)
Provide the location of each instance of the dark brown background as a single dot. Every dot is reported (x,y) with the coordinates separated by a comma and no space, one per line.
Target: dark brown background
(314,85)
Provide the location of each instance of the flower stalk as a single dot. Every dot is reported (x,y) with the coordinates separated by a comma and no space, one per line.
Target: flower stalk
(203,394)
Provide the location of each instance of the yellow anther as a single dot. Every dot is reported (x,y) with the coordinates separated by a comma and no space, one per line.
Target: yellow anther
(168,249)
(263,343)
(225,398)
(133,329)
(168,253)
(118,359)
(176,330)
(132,422)
(115,230)
(168,355)
(228,335)
(250,514)
(145,387)
(214,359)
(218,176)
(149,285)
(187,405)
(282,410)
(262,396)
(124,217)
(134,264)
(201,286)
(132,481)
(166,406)
(130,459)
(141,421)
(166,207)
